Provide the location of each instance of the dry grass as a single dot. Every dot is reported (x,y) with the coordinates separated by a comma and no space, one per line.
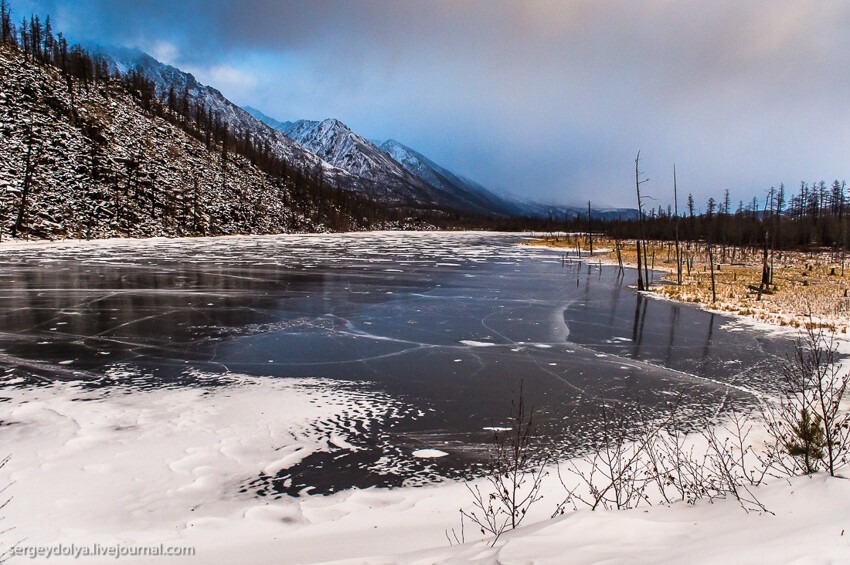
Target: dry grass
(809,288)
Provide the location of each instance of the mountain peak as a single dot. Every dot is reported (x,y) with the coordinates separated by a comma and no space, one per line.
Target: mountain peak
(336,123)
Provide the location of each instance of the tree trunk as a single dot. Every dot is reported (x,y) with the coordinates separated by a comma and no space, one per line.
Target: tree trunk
(25,191)
(676,227)
(711,263)
(640,280)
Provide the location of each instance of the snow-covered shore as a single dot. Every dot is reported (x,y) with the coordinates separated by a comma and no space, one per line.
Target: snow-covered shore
(161,466)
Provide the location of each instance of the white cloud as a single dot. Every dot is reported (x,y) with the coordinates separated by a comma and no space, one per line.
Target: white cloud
(236,84)
(163,51)
(232,77)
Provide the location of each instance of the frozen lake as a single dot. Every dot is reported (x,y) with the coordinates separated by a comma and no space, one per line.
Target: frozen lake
(430,333)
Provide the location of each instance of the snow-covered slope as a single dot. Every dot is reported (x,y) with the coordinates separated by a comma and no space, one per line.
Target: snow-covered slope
(103,167)
(396,169)
(336,143)
(166,77)
(473,194)
(346,159)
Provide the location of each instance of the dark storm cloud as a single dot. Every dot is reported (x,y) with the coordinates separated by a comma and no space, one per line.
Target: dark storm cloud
(535,97)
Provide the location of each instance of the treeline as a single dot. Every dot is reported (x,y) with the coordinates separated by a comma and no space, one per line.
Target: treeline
(814,216)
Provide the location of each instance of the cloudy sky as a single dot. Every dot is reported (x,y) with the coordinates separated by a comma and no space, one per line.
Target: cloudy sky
(549,99)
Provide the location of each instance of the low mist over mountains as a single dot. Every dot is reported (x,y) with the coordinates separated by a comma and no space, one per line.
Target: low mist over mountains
(473,194)
(401,170)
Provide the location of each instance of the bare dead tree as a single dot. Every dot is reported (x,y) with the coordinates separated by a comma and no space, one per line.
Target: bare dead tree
(29,167)
(710,252)
(642,283)
(619,247)
(764,285)
(676,212)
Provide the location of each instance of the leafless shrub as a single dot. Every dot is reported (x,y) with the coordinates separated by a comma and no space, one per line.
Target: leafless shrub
(514,477)
(658,462)
(644,461)
(6,551)
(727,472)
(620,468)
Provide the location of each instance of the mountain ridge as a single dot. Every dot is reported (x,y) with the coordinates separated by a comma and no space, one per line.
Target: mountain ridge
(167,78)
(391,163)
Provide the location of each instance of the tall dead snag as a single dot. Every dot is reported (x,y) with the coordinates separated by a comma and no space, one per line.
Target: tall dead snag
(676,228)
(711,266)
(589,230)
(619,248)
(641,282)
(842,220)
(764,285)
(842,223)
(29,166)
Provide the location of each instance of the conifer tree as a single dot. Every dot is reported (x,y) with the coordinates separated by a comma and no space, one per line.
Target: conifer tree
(808,441)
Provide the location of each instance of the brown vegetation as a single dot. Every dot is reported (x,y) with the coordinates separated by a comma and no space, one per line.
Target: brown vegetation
(808,287)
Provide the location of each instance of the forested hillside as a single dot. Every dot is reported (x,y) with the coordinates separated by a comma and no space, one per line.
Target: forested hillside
(86,154)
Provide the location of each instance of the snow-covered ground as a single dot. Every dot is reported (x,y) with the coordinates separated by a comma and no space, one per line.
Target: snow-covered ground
(161,466)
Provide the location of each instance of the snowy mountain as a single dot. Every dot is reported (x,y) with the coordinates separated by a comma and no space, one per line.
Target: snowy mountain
(334,142)
(337,144)
(392,173)
(475,196)
(395,167)
(167,78)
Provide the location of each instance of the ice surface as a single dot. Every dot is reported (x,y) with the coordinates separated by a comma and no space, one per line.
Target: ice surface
(438,328)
